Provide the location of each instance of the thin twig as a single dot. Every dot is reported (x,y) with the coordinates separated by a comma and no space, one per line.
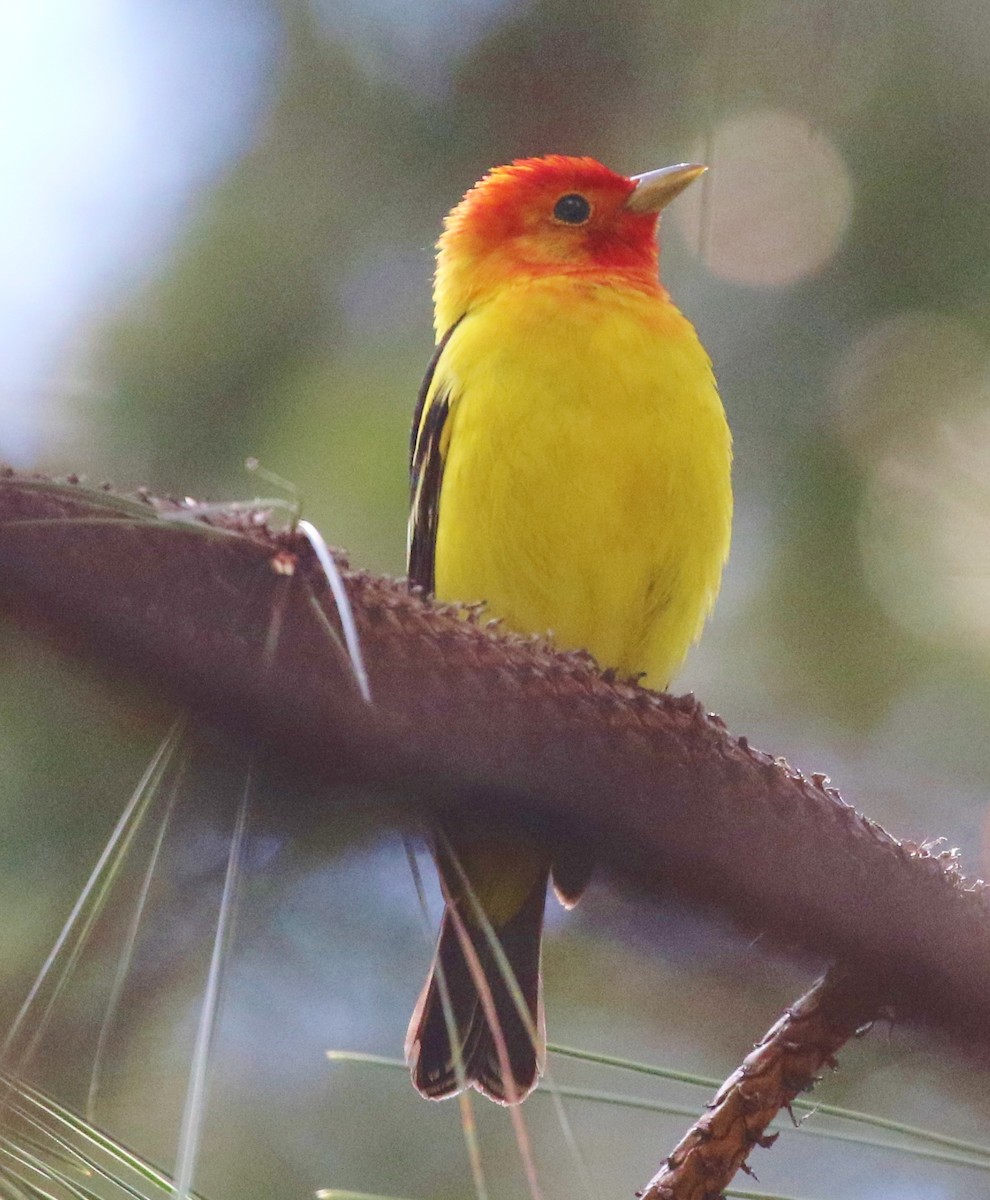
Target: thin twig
(788,1061)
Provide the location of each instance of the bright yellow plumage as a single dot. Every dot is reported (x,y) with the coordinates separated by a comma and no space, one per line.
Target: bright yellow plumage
(571,470)
(586,482)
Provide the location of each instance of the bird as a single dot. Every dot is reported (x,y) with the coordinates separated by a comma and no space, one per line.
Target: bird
(570,472)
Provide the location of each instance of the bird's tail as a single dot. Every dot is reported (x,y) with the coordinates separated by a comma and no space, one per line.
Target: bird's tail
(429,1051)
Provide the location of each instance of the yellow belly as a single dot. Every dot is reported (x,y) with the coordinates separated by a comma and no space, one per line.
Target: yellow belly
(586,491)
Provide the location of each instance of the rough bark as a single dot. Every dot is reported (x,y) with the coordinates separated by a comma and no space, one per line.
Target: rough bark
(464,716)
(786,1062)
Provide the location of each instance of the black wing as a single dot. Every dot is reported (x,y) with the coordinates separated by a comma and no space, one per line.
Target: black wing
(426,474)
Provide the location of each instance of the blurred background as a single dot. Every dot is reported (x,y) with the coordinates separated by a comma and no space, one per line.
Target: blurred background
(216,230)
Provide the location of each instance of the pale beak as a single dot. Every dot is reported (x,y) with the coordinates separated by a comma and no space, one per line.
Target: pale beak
(655,189)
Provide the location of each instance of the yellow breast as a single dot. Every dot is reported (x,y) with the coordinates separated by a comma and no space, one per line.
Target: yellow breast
(586,490)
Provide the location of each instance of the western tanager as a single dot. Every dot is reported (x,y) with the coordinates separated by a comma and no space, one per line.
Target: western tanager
(570,467)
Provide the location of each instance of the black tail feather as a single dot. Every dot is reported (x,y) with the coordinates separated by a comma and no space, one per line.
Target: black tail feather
(428,1044)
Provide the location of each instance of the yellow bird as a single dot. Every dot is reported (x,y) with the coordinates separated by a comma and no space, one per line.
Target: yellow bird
(570,468)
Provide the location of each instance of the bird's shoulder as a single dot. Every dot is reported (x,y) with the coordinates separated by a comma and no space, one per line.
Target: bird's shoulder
(429,437)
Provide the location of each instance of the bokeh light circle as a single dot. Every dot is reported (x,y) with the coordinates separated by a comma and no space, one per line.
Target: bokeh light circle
(901,372)
(924,527)
(776,203)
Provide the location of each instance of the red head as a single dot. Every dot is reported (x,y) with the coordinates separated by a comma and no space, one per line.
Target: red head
(552,216)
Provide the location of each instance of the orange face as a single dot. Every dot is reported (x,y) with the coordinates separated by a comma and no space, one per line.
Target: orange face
(554,215)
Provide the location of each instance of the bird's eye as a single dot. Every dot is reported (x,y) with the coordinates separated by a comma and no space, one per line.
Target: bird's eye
(572,209)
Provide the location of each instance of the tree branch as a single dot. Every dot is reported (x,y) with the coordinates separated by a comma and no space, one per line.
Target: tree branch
(787,1061)
(466,717)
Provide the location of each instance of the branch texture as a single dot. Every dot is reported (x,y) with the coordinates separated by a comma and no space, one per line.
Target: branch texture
(785,1063)
(464,716)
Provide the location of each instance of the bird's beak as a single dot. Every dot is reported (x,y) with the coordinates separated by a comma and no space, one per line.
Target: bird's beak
(655,189)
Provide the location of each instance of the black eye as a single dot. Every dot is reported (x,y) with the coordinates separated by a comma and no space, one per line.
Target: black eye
(572,209)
